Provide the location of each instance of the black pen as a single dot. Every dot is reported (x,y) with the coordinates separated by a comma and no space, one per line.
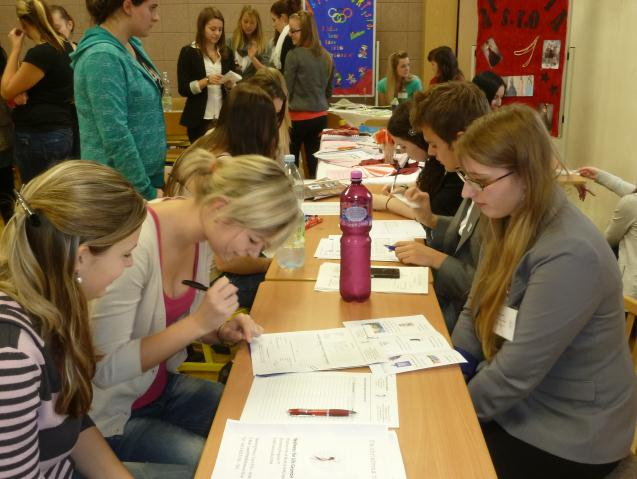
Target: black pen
(195,284)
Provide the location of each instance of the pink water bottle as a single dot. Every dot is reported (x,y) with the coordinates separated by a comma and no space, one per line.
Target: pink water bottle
(356,246)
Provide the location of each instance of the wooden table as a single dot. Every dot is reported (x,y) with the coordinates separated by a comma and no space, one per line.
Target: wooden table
(439,433)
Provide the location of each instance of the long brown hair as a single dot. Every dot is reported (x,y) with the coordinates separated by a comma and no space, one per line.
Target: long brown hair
(76,202)
(310,37)
(207,14)
(240,40)
(394,82)
(37,14)
(515,138)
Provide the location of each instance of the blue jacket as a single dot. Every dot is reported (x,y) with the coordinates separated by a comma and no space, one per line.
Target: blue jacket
(119,109)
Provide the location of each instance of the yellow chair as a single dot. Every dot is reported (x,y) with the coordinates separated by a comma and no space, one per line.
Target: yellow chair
(210,366)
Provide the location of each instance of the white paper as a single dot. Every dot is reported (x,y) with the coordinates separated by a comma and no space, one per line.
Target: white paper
(397,228)
(413,280)
(231,76)
(373,398)
(273,451)
(324,208)
(401,197)
(305,351)
(330,248)
(412,362)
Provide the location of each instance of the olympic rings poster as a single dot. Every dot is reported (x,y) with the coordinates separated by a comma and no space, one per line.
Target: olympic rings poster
(524,41)
(346,29)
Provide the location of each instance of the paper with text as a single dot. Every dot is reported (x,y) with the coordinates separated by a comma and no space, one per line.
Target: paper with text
(373,398)
(323,208)
(413,280)
(397,229)
(305,351)
(287,451)
(330,248)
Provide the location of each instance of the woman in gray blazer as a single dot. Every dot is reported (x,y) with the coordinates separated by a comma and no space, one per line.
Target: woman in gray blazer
(544,323)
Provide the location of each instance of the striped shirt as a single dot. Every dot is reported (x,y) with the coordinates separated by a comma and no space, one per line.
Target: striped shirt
(35,441)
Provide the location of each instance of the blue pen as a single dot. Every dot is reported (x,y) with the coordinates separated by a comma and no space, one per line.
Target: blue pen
(390,247)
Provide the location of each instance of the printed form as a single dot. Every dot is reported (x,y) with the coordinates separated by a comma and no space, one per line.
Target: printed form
(373,399)
(413,280)
(289,451)
(330,248)
(305,351)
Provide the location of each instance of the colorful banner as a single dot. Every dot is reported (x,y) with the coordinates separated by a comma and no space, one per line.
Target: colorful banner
(524,41)
(346,30)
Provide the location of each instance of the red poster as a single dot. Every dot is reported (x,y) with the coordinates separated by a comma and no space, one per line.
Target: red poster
(524,41)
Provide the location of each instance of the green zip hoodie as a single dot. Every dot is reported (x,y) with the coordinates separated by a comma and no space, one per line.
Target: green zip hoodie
(119,109)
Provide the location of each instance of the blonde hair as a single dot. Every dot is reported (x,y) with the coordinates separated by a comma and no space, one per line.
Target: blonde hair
(394,82)
(37,14)
(515,138)
(73,203)
(188,172)
(259,195)
(273,83)
(239,39)
(310,37)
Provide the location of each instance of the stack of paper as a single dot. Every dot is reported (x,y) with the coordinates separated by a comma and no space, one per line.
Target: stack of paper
(413,280)
(348,451)
(397,229)
(305,351)
(373,399)
(330,248)
(408,342)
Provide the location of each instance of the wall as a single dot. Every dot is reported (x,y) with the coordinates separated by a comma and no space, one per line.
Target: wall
(601,102)
(398,27)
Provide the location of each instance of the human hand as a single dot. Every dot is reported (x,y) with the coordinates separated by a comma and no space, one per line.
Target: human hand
(379,202)
(388,153)
(419,254)
(240,328)
(252,50)
(16,38)
(589,172)
(229,84)
(424,215)
(21,99)
(220,302)
(215,79)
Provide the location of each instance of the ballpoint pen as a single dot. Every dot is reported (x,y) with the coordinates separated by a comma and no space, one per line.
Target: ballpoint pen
(202,287)
(321,412)
(390,247)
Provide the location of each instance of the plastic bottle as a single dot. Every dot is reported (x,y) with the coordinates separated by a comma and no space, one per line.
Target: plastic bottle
(356,221)
(166,98)
(292,254)
(402,96)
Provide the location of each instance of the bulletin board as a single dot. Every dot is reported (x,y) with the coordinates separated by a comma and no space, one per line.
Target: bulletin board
(347,31)
(524,41)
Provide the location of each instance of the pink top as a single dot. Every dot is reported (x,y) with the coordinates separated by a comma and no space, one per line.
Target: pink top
(175,308)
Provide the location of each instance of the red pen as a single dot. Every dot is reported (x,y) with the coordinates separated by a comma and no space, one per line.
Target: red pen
(321,412)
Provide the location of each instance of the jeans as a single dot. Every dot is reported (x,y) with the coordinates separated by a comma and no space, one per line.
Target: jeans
(36,152)
(307,132)
(173,428)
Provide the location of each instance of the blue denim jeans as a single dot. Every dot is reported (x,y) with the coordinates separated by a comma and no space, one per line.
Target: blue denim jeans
(173,428)
(35,152)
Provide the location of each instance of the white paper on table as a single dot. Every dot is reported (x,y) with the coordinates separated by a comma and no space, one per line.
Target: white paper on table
(343,173)
(358,154)
(231,76)
(413,280)
(348,451)
(374,398)
(397,229)
(305,351)
(412,362)
(330,248)
(408,325)
(325,208)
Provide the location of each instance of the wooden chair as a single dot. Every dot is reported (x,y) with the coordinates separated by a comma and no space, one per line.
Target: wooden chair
(630,305)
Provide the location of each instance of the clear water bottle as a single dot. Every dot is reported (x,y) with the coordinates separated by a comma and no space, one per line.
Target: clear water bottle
(394,104)
(356,221)
(292,254)
(166,98)
(402,96)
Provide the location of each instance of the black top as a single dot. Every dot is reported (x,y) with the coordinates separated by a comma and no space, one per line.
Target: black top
(50,101)
(285,49)
(445,191)
(190,67)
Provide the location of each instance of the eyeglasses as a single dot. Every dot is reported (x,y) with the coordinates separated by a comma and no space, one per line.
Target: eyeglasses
(480,185)
(292,32)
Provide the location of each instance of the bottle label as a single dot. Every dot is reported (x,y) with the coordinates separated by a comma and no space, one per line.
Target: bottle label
(355,214)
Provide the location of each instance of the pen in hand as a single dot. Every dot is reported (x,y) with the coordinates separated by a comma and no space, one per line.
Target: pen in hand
(321,412)
(390,247)
(195,284)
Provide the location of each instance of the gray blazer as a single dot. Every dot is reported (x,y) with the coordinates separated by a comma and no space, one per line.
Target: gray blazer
(452,281)
(565,384)
(309,81)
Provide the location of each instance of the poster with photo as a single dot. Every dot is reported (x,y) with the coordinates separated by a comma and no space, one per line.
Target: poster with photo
(347,32)
(525,43)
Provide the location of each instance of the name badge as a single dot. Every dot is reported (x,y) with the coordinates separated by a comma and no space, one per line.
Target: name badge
(505,324)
